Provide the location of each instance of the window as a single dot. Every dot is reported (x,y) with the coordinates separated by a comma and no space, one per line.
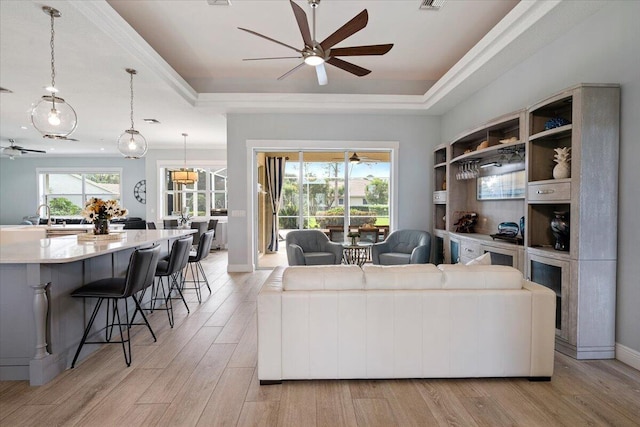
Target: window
(198,199)
(66,191)
(316,185)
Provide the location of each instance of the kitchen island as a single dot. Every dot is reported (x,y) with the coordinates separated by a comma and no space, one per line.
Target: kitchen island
(40,324)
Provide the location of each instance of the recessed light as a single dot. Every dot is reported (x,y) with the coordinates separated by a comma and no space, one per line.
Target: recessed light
(24,127)
(101,148)
(52,149)
(151,121)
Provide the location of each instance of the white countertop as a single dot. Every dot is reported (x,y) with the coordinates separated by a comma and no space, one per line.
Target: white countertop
(64,249)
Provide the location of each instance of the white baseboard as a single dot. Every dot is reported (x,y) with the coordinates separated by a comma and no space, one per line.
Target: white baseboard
(239,268)
(628,356)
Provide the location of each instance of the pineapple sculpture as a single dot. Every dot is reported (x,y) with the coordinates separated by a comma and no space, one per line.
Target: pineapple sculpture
(562,169)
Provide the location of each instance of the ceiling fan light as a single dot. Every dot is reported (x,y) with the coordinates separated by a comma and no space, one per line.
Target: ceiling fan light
(132,145)
(53,117)
(313,60)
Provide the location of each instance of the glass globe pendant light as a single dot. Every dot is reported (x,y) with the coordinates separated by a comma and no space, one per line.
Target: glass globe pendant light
(184,175)
(131,143)
(52,116)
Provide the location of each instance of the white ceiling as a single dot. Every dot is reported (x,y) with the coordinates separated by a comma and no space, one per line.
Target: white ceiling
(190,70)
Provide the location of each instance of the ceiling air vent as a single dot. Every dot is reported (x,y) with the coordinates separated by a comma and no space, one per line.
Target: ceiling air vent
(431,4)
(219,2)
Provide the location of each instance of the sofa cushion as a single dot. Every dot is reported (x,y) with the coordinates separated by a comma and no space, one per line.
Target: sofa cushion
(409,276)
(459,276)
(394,258)
(319,258)
(323,277)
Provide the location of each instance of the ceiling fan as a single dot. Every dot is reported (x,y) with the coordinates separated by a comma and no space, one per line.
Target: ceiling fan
(14,150)
(316,53)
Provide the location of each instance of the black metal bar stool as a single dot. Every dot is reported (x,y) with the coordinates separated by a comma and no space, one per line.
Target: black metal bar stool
(140,274)
(197,273)
(171,270)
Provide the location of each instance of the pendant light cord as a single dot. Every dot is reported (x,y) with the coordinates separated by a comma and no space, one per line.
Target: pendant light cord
(185,150)
(131,87)
(53,62)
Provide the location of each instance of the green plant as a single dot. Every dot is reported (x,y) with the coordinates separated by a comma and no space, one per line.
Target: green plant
(335,216)
(61,206)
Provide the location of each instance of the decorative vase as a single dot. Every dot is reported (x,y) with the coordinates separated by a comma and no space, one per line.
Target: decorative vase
(101,226)
(560,230)
(562,170)
(522,227)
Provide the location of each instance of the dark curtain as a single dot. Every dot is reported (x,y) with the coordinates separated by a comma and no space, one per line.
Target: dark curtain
(275,179)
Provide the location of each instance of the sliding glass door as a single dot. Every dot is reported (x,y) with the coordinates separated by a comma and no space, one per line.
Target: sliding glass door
(333,191)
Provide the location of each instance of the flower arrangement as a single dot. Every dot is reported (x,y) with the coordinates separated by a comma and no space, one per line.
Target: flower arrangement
(184,217)
(99,212)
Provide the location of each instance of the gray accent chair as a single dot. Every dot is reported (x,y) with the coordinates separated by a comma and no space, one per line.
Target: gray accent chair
(403,247)
(312,247)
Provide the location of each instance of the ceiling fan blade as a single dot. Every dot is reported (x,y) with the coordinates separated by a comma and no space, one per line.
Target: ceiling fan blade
(349,67)
(291,71)
(270,39)
(377,49)
(275,57)
(357,23)
(321,72)
(303,24)
(27,150)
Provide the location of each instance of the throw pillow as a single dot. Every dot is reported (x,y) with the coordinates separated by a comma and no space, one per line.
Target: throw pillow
(484,259)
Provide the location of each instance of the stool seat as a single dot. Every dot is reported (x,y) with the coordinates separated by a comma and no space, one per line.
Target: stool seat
(112,287)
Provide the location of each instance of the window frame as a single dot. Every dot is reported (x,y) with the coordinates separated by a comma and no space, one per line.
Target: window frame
(43,196)
(209,192)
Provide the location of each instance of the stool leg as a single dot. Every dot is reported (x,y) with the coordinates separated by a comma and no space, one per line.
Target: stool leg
(139,309)
(174,285)
(206,281)
(127,359)
(167,300)
(195,275)
(86,331)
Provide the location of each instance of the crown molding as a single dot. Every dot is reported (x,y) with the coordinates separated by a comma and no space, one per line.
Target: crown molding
(101,14)
(527,28)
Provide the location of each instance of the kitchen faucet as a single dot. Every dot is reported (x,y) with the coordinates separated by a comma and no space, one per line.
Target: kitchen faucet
(48,212)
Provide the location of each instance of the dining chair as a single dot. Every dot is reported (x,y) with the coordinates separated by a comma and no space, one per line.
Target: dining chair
(170,223)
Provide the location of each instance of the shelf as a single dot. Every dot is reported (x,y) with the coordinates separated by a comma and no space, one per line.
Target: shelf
(486,152)
(549,252)
(558,132)
(440,165)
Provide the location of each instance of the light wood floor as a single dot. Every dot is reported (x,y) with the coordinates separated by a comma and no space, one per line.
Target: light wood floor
(203,372)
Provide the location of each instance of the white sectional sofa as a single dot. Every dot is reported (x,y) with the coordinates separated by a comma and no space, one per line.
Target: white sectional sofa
(410,321)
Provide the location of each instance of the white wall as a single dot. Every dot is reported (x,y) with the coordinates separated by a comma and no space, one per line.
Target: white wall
(415,134)
(19,184)
(603,49)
